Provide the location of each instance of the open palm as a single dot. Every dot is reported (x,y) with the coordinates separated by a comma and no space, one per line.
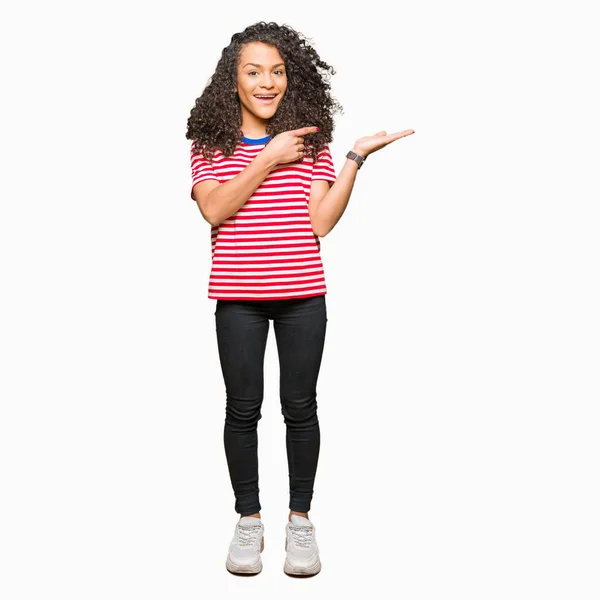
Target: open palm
(371,143)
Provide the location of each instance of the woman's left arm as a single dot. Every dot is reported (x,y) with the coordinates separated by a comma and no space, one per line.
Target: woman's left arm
(326,206)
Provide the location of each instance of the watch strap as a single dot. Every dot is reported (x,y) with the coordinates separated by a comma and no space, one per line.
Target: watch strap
(359,160)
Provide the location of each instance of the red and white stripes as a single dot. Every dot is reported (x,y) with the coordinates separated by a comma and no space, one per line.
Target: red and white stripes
(267,250)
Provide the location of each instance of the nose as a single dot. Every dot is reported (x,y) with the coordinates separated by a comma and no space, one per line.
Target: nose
(266,82)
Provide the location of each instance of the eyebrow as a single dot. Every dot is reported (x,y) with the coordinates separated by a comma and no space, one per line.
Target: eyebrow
(256,65)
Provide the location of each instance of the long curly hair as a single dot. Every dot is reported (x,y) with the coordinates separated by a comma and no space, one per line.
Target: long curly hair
(216,119)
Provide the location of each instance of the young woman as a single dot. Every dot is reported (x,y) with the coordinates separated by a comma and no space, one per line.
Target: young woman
(263,177)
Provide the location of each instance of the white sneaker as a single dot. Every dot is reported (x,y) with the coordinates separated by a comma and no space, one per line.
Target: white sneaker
(302,556)
(245,548)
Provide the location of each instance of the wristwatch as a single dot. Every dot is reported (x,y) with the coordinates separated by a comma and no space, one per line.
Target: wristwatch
(359,160)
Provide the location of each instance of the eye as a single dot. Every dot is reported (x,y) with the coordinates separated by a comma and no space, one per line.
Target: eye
(278,71)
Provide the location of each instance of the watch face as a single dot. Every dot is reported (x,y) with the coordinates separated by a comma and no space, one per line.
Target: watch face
(359,160)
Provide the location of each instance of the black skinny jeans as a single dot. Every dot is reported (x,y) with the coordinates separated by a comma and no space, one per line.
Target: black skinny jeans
(242,327)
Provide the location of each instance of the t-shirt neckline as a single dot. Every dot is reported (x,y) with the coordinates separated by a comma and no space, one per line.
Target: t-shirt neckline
(261,140)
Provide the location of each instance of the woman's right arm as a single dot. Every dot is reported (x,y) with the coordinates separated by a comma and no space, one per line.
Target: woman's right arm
(218,201)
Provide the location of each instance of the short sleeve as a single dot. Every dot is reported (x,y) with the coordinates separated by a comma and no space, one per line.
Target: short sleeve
(201,169)
(323,168)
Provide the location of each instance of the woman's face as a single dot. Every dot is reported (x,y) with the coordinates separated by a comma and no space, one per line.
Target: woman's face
(260,72)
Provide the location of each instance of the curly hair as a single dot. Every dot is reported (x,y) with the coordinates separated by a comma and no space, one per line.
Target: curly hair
(216,119)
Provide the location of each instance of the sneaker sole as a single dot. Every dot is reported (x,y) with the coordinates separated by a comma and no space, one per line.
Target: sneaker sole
(301,570)
(245,569)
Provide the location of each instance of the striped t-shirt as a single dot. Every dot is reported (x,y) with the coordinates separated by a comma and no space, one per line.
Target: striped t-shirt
(267,250)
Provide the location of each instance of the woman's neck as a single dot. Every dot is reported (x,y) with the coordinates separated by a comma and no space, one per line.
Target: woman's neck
(254,135)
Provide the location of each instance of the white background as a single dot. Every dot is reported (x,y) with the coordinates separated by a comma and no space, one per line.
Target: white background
(458,395)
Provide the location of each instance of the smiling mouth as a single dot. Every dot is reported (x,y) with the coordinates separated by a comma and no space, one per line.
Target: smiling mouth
(266,98)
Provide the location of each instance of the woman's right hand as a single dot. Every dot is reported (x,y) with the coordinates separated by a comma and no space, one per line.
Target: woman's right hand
(288,146)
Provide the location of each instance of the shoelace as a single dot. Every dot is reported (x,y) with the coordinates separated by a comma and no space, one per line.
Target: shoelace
(302,535)
(248,534)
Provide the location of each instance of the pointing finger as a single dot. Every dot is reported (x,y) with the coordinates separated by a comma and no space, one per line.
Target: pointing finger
(305,130)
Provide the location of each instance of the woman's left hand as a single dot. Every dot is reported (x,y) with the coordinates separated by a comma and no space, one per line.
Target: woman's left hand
(369,144)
